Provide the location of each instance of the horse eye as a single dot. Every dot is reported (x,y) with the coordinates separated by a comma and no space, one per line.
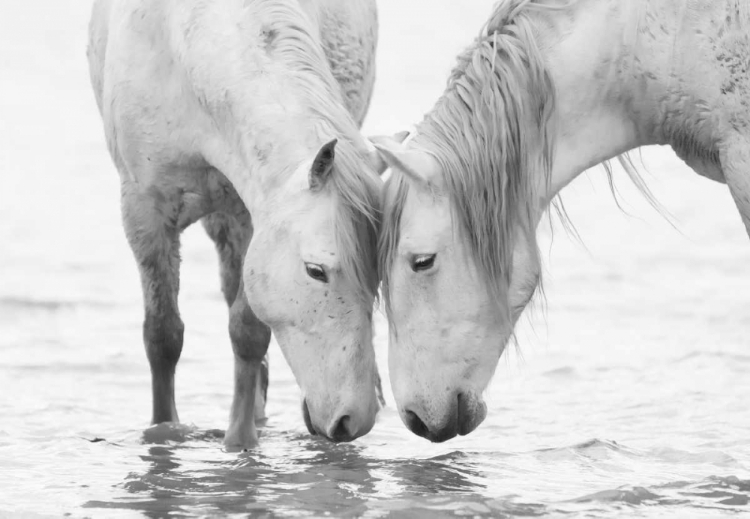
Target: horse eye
(316,272)
(422,262)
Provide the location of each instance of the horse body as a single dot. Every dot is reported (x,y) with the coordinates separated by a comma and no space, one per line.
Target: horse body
(220,110)
(546,91)
(658,72)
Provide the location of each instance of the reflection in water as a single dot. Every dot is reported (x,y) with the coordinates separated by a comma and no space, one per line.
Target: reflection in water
(195,477)
(441,474)
(170,485)
(293,473)
(321,478)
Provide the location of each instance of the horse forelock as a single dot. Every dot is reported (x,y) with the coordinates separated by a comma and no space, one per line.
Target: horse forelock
(489,133)
(354,183)
(394,199)
(357,219)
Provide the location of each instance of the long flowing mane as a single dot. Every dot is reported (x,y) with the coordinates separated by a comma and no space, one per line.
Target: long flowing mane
(489,133)
(290,39)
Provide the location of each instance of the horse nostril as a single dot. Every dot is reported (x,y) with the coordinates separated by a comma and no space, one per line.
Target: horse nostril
(416,425)
(306,415)
(462,412)
(341,432)
(471,413)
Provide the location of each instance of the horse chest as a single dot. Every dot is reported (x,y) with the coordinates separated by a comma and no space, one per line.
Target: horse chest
(185,195)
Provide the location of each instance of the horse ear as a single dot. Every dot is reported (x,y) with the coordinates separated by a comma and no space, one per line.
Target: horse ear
(376,159)
(419,167)
(322,165)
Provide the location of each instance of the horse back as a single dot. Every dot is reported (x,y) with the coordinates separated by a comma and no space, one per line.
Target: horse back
(159,69)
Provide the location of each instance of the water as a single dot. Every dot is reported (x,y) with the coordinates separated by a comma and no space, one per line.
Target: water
(628,395)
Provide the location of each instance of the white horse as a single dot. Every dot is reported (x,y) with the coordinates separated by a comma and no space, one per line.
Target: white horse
(546,91)
(215,108)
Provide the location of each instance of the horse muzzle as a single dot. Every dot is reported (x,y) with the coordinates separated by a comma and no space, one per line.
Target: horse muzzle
(343,427)
(462,414)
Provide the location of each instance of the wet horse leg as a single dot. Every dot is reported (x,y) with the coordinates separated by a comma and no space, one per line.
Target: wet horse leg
(250,337)
(735,163)
(154,239)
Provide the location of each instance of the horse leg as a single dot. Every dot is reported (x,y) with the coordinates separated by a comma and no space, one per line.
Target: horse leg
(735,163)
(250,337)
(154,239)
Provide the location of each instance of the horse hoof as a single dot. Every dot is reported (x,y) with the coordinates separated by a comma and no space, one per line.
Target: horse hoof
(240,442)
(168,432)
(240,446)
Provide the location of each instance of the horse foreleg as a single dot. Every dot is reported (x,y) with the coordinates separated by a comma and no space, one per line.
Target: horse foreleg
(735,163)
(154,240)
(250,337)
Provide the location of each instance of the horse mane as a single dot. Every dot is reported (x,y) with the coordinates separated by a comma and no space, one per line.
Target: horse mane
(357,187)
(489,133)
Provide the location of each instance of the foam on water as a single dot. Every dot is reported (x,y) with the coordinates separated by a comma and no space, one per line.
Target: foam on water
(628,395)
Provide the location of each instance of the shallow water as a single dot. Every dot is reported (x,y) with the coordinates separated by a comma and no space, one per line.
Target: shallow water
(628,395)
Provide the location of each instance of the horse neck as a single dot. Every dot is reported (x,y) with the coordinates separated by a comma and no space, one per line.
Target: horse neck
(267,117)
(586,54)
(272,150)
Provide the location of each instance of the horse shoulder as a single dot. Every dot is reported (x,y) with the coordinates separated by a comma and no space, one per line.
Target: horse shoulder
(694,54)
(721,74)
